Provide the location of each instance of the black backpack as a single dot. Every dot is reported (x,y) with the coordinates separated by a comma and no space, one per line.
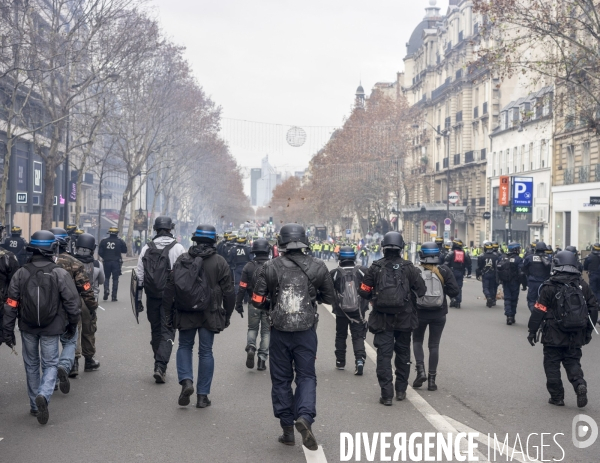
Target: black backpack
(503,266)
(40,300)
(572,311)
(156,269)
(192,290)
(391,287)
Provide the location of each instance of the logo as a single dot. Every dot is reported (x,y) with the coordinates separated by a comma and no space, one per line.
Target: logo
(580,431)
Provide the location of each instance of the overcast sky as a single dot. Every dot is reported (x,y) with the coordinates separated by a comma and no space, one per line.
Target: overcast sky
(289,62)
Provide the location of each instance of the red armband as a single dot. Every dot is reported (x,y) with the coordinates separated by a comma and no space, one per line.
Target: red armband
(11,302)
(243,284)
(366,288)
(86,286)
(258,298)
(541,307)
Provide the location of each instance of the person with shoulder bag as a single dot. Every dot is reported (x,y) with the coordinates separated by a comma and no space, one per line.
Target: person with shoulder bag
(566,311)
(393,285)
(198,299)
(432,309)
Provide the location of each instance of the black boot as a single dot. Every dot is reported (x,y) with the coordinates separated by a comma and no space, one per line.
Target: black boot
(262,365)
(187,389)
(431,386)
(114,299)
(202,401)
(160,377)
(489,303)
(91,364)
(452,302)
(582,399)
(509,320)
(63,378)
(386,401)
(105,298)
(42,408)
(75,370)
(287,437)
(251,350)
(421,375)
(559,402)
(400,395)
(308,438)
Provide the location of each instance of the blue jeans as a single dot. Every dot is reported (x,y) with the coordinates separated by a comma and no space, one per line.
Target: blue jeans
(67,356)
(206,361)
(258,318)
(40,350)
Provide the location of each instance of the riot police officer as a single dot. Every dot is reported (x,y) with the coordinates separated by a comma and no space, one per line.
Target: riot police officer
(298,280)
(458,261)
(573,249)
(239,256)
(509,269)
(8,267)
(566,310)
(71,233)
(221,245)
(592,266)
(110,251)
(16,244)
(444,250)
(536,268)
(486,272)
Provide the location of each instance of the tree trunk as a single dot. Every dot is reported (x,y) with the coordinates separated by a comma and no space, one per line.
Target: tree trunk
(124,202)
(48,197)
(4,184)
(100,205)
(78,193)
(129,239)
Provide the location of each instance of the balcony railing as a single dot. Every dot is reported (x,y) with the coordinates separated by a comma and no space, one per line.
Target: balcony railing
(485,108)
(584,174)
(475,112)
(445,163)
(469,156)
(569,176)
(459,116)
(456,159)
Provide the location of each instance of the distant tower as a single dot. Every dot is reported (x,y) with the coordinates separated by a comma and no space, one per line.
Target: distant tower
(360,97)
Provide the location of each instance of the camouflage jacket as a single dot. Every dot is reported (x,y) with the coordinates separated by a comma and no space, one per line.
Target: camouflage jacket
(79,275)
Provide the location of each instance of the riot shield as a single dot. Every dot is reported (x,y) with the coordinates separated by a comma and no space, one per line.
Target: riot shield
(136,296)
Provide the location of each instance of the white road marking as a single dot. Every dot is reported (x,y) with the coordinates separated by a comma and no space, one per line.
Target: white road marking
(439,422)
(314,456)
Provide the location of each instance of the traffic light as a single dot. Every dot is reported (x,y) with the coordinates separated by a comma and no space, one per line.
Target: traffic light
(270,220)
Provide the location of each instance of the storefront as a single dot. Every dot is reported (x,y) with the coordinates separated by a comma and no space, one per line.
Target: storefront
(576,221)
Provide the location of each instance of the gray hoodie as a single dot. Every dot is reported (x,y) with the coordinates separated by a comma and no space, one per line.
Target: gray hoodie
(161,242)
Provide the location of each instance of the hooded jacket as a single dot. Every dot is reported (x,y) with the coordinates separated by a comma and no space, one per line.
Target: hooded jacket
(218,274)
(161,242)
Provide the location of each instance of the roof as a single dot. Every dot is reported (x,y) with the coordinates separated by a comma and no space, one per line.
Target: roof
(531,98)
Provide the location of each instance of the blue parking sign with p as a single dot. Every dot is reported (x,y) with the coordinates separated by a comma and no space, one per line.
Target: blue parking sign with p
(523,191)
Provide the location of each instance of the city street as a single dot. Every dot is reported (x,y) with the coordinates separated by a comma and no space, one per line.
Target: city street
(490,381)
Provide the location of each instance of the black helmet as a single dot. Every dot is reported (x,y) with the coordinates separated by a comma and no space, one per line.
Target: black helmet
(495,245)
(260,245)
(43,241)
(488,246)
(457,244)
(61,236)
(596,247)
(565,261)
(16,230)
(203,233)
(113,231)
(514,247)
(429,253)
(163,223)
(71,228)
(292,236)
(392,240)
(439,240)
(347,253)
(242,240)
(541,247)
(87,241)
(572,249)
(447,244)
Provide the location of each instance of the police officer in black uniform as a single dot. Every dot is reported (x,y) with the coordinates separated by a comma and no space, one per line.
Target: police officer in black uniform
(221,245)
(110,251)
(71,230)
(392,323)
(564,332)
(573,249)
(16,244)
(444,250)
(8,267)
(509,268)
(592,266)
(536,268)
(239,255)
(486,273)
(458,261)
(298,280)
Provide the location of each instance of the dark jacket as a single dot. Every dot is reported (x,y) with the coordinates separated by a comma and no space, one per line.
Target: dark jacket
(68,311)
(360,275)
(247,280)
(546,309)
(83,284)
(486,263)
(111,248)
(451,289)
(266,286)
(458,267)
(406,318)
(592,263)
(8,267)
(218,274)
(537,267)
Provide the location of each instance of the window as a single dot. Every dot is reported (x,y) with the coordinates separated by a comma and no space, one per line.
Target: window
(476,97)
(544,153)
(541,192)
(494,164)
(570,156)
(585,155)
(518,162)
(504,120)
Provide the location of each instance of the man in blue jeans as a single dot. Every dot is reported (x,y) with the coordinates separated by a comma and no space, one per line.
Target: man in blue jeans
(184,314)
(53,309)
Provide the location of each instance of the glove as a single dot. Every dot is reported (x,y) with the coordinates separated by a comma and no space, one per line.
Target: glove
(70,331)
(93,316)
(9,339)
(531,338)
(588,338)
(240,309)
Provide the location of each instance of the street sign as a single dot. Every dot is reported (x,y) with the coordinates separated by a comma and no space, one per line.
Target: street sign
(487,215)
(453,197)
(446,235)
(504,193)
(447,227)
(429,227)
(348,232)
(595,200)
(523,191)
(521,209)
(21,198)
(447,221)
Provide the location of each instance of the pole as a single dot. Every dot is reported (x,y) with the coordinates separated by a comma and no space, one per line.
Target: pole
(448,177)
(509,231)
(66,209)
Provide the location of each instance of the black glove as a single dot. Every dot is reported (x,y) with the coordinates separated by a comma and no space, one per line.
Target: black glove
(9,339)
(93,316)
(588,338)
(70,331)
(531,338)
(240,309)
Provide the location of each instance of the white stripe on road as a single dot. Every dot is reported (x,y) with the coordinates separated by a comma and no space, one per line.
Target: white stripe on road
(439,422)
(314,456)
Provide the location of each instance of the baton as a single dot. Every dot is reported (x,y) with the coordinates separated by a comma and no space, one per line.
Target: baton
(590,319)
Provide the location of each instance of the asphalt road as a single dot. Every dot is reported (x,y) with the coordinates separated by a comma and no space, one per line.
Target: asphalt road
(490,381)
